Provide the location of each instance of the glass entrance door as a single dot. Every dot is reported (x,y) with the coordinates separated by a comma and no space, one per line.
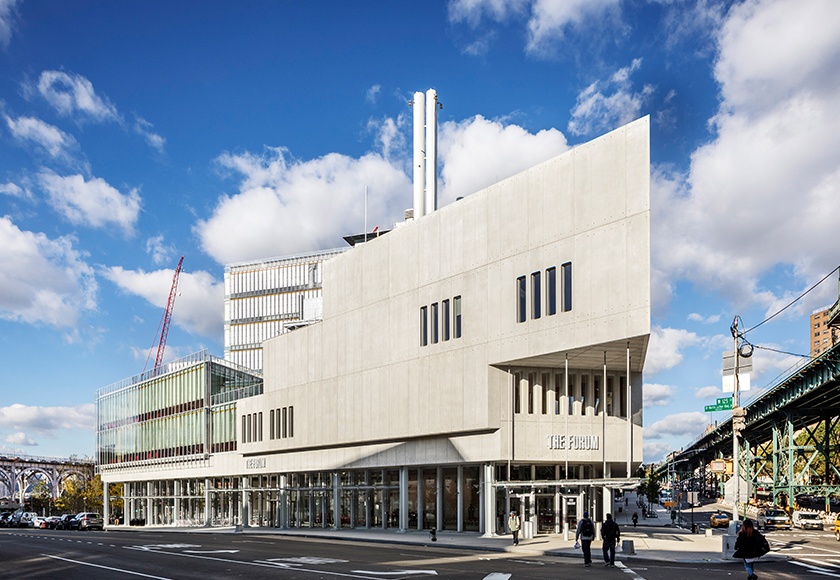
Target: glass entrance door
(545,513)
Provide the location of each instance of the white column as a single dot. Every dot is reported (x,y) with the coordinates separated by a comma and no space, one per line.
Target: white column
(487,510)
(207,505)
(460,498)
(336,500)
(421,506)
(403,498)
(106,503)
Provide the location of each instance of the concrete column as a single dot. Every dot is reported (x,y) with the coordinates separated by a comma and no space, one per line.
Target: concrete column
(487,507)
(439,502)
(245,504)
(283,503)
(106,501)
(403,499)
(336,500)
(460,499)
(421,507)
(176,489)
(207,502)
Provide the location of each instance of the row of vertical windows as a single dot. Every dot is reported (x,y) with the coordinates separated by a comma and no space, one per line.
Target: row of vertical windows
(252,427)
(545,393)
(444,322)
(282,423)
(554,295)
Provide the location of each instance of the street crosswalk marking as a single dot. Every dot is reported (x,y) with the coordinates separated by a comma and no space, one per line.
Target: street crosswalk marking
(632,573)
(496,576)
(816,569)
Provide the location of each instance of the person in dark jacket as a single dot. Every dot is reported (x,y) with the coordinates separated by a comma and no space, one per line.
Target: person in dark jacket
(610,534)
(750,545)
(585,533)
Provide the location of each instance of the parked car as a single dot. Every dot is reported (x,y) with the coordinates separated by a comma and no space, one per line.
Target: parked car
(837,530)
(719,520)
(52,522)
(88,521)
(4,519)
(39,522)
(807,520)
(64,522)
(772,518)
(26,519)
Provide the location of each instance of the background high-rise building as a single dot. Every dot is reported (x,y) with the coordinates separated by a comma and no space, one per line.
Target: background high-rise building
(823,336)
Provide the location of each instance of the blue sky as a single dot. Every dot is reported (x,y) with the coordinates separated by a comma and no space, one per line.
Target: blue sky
(134,133)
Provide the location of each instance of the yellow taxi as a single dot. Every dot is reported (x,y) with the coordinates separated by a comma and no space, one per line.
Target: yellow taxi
(719,520)
(837,529)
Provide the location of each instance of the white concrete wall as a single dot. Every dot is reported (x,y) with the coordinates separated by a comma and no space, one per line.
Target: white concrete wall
(360,377)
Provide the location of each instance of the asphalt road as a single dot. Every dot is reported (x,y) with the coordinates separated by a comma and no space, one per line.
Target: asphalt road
(36,554)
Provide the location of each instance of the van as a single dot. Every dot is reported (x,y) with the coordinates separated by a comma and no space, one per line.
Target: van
(807,520)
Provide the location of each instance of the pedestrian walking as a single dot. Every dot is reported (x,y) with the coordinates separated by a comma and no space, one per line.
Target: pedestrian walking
(610,534)
(585,533)
(635,518)
(513,524)
(750,545)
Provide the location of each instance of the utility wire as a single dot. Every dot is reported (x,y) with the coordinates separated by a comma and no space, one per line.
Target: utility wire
(772,316)
(782,351)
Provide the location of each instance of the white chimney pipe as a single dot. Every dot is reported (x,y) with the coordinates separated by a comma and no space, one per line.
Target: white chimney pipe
(419,105)
(431,151)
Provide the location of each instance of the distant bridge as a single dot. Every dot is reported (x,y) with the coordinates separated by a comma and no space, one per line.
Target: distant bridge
(18,472)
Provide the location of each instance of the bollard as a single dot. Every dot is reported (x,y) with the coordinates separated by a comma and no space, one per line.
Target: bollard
(433,535)
(628,548)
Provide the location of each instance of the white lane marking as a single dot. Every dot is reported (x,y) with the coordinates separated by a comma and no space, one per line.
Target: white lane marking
(815,569)
(626,570)
(496,576)
(123,570)
(211,551)
(397,572)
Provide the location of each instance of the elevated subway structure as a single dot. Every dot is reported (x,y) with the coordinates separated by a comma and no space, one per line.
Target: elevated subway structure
(789,445)
(17,471)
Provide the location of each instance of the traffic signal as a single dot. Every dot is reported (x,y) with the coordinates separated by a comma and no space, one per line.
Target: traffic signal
(739,420)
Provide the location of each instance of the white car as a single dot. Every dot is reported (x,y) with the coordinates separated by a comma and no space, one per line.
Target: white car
(39,522)
(807,520)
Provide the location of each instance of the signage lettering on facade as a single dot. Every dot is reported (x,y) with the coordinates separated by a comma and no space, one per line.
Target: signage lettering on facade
(574,442)
(255,463)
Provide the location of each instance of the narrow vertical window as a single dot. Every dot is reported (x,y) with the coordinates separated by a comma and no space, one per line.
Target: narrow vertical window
(551,291)
(521,299)
(279,424)
(445,319)
(291,421)
(244,429)
(546,388)
(435,323)
(536,297)
(457,308)
(584,394)
(596,382)
(250,426)
(517,393)
(622,396)
(259,428)
(424,327)
(567,286)
(271,424)
(285,424)
(559,394)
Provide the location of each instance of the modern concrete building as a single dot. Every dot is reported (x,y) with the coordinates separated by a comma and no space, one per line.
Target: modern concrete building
(483,358)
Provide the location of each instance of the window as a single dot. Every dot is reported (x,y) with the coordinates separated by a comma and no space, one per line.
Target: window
(584,386)
(572,386)
(291,421)
(285,423)
(597,384)
(244,429)
(457,308)
(435,323)
(536,298)
(551,291)
(259,427)
(271,424)
(445,319)
(279,424)
(250,426)
(544,391)
(531,378)
(424,327)
(622,396)
(567,286)
(521,295)
(517,393)
(558,386)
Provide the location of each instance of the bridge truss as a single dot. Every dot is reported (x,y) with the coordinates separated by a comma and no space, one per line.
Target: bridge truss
(18,473)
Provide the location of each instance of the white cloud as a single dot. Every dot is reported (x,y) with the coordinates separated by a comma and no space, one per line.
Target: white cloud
(93,203)
(143,128)
(198,307)
(372,93)
(13,190)
(478,152)
(655,450)
(656,395)
(603,106)
(473,11)
(285,206)
(20,438)
(711,319)
(42,280)
(551,19)
(771,171)
(7,21)
(691,424)
(53,140)
(73,95)
(709,392)
(160,252)
(48,420)
(665,348)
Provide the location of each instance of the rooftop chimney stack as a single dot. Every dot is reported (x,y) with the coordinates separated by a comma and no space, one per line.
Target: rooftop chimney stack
(425,152)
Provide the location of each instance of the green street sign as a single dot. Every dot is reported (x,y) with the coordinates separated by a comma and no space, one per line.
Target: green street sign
(723,404)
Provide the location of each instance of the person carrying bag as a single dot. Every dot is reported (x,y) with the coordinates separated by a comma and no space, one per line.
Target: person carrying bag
(750,545)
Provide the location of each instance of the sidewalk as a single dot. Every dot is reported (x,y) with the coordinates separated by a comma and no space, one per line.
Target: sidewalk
(653,539)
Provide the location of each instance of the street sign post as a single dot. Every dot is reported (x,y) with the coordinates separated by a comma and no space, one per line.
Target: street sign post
(723,404)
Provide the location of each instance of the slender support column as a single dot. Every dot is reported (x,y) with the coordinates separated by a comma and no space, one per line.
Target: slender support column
(439,498)
(487,515)
(106,503)
(629,413)
(403,499)
(460,499)
(207,502)
(336,493)
(421,496)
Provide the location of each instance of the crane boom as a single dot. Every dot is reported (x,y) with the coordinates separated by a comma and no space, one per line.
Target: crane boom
(167,317)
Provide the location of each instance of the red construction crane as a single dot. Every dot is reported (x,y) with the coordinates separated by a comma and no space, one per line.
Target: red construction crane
(163,328)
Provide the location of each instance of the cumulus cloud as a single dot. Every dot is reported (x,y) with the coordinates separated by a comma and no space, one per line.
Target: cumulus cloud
(159,250)
(13,190)
(198,307)
(42,280)
(285,206)
(551,19)
(711,319)
(666,346)
(93,202)
(655,395)
(770,172)
(605,105)
(372,93)
(474,11)
(691,424)
(478,152)
(51,139)
(24,420)
(73,95)
(708,392)
(7,21)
